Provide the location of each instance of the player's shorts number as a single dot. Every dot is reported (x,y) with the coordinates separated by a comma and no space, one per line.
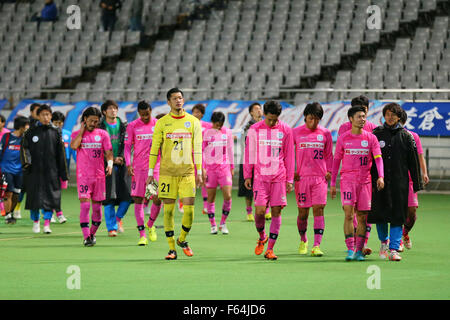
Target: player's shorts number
(318,154)
(163,185)
(347,196)
(301,197)
(83,188)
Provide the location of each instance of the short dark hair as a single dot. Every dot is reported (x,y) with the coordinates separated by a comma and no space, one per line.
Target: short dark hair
(58,116)
(144,105)
(394,108)
(218,117)
(108,103)
(200,107)
(34,106)
(351,112)
(404,117)
(20,121)
(44,107)
(173,90)
(314,109)
(250,107)
(2,118)
(272,107)
(360,101)
(91,111)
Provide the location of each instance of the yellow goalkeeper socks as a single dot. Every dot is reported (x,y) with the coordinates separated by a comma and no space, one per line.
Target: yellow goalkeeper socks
(186,222)
(169,224)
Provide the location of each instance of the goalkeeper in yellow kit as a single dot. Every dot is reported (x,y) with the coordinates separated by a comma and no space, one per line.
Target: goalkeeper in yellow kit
(179,137)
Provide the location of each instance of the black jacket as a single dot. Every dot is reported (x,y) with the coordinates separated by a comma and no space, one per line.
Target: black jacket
(43,158)
(118,185)
(400,156)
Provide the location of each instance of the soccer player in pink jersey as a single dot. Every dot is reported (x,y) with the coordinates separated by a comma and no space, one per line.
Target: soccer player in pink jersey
(139,138)
(368,126)
(198,111)
(218,156)
(314,158)
(91,144)
(3,130)
(270,155)
(356,148)
(413,201)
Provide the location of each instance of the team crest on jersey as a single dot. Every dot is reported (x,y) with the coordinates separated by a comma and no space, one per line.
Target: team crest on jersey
(97,138)
(66,137)
(187,124)
(280,135)
(224,136)
(35,139)
(320,137)
(382,144)
(364,143)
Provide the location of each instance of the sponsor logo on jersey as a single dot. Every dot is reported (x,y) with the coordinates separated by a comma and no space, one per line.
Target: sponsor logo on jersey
(356,152)
(218,143)
(179,135)
(273,143)
(144,136)
(90,145)
(311,145)
(14,147)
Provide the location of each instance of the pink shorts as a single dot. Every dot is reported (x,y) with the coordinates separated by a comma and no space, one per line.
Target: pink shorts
(413,201)
(265,192)
(311,191)
(215,178)
(356,194)
(91,188)
(138,182)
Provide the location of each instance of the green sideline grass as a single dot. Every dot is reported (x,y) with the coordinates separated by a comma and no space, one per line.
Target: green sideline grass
(223,266)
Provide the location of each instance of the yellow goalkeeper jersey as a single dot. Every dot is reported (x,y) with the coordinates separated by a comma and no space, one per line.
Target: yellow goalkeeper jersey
(180,141)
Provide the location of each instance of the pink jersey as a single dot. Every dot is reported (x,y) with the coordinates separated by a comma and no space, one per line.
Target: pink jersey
(356,152)
(90,154)
(418,146)
(313,151)
(368,126)
(4,130)
(218,149)
(270,153)
(139,136)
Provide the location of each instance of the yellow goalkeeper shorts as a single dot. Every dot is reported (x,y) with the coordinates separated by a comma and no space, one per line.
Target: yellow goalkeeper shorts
(173,187)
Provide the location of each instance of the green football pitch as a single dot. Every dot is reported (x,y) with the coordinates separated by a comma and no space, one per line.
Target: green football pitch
(40,266)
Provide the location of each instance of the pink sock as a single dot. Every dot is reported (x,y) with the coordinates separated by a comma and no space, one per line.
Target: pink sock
(46,222)
(267,210)
(260,222)
(2,206)
(205,198)
(154,212)
(302,226)
(84,218)
(96,217)
(211,207)
(139,214)
(118,219)
(249,210)
(59,213)
(275,226)
(319,226)
(226,208)
(368,229)
(360,243)
(350,242)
